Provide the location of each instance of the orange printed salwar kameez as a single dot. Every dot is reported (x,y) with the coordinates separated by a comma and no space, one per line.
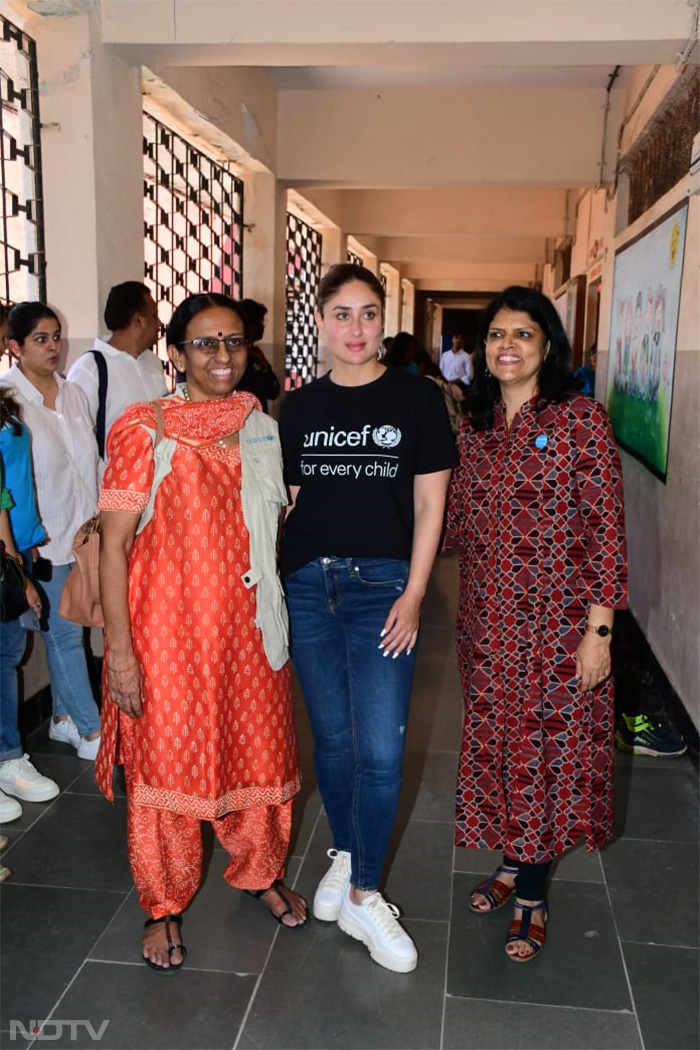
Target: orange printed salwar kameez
(216,740)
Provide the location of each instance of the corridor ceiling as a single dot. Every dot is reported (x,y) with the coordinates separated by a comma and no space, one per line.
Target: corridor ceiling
(453,138)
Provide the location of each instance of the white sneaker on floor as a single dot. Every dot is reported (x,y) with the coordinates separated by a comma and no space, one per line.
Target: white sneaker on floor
(375,922)
(333,887)
(19,777)
(88,748)
(10,808)
(65,731)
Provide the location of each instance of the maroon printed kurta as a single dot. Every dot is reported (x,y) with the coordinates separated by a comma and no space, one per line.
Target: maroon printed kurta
(537,514)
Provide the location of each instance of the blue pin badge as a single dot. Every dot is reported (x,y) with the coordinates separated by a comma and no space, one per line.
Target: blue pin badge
(540,440)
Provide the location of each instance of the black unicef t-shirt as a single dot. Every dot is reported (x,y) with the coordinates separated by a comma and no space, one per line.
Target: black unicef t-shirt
(354,452)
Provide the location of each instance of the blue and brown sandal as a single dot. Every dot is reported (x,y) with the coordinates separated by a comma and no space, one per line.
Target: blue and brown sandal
(522,929)
(172,947)
(496,892)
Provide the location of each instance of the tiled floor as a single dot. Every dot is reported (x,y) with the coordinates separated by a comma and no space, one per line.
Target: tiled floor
(620,969)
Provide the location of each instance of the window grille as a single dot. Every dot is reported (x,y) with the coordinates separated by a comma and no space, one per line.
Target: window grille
(303,276)
(661,156)
(353,257)
(193,221)
(22,258)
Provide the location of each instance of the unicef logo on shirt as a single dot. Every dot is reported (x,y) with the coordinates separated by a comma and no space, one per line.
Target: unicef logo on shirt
(386,436)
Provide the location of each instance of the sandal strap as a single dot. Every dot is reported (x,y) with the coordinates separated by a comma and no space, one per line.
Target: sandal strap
(522,929)
(167,919)
(493,889)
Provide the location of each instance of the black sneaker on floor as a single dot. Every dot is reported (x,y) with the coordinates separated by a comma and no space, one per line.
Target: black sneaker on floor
(638,735)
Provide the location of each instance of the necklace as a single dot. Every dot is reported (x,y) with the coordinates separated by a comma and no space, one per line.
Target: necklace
(186,395)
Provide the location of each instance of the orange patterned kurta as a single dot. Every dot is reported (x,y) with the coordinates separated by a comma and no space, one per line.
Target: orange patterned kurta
(217,731)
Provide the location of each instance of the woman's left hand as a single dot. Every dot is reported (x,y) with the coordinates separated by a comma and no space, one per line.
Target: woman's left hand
(400,632)
(593,661)
(33,596)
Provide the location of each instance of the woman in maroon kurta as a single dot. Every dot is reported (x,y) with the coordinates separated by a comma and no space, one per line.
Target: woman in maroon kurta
(536,510)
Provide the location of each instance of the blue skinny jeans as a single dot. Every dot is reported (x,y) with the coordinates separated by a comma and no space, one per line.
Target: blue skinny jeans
(357,699)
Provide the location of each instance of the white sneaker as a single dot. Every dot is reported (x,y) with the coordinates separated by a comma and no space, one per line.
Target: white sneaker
(65,731)
(375,923)
(332,887)
(10,808)
(19,777)
(88,748)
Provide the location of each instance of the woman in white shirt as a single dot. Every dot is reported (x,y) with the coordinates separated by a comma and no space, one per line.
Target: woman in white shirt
(64,456)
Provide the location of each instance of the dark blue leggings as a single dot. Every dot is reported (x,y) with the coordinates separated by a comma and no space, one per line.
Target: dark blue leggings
(531,878)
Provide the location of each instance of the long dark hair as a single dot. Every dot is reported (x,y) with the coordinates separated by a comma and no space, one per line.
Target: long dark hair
(555,381)
(10,411)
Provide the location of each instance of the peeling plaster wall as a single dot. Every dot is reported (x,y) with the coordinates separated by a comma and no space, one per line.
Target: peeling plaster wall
(241,102)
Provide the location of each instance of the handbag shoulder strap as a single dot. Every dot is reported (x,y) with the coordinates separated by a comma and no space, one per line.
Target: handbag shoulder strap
(101,420)
(160,423)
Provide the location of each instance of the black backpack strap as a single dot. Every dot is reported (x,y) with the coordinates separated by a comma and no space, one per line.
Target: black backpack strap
(100,422)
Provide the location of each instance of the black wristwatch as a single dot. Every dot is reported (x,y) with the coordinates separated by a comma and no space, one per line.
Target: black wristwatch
(602,630)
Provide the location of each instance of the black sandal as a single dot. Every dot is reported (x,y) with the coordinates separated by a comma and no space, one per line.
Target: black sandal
(167,919)
(279,887)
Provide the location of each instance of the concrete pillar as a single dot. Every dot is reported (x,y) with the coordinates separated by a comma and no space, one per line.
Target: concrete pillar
(90,107)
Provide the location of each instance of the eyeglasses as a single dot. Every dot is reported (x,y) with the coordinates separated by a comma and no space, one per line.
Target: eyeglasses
(210,344)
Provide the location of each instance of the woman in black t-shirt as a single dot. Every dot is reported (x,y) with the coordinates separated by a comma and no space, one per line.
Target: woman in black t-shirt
(368,453)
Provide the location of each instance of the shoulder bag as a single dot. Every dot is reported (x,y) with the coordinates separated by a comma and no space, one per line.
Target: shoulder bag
(13,599)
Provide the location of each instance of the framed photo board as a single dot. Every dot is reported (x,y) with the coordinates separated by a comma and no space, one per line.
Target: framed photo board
(643,329)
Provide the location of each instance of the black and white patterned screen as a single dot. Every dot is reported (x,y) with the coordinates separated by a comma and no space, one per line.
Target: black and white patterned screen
(353,257)
(22,259)
(304,246)
(193,219)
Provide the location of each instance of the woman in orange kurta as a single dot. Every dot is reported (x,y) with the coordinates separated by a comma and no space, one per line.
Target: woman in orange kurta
(198,703)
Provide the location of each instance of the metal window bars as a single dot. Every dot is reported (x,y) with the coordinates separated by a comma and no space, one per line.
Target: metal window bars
(304,245)
(22,252)
(193,220)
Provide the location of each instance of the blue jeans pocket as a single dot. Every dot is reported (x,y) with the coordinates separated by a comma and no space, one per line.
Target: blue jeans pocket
(381,572)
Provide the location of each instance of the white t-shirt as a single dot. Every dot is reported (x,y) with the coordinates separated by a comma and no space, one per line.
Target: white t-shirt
(129,379)
(64,456)
(456,366)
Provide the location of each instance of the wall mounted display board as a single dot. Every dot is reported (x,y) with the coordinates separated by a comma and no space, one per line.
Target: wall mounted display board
(643,329)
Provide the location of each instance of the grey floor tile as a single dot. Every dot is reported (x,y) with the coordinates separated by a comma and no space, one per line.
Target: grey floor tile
(324,991)
(418,877)
(657,803)
(65,770)
(187,1010)
(581,928)
(46,934)
(305,814)
(434,725)
(640,872)
(79,842)
(85,783)
(473,1024)
(665,984)
(577,865)
(223,928)
(429,786)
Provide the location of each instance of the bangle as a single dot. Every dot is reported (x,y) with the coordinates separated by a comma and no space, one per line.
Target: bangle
(123,670)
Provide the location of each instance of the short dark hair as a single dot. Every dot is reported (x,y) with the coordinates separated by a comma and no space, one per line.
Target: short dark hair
(24,317)
(555,381)
(124,300)
(196,304)
(403,350)
(340,275)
